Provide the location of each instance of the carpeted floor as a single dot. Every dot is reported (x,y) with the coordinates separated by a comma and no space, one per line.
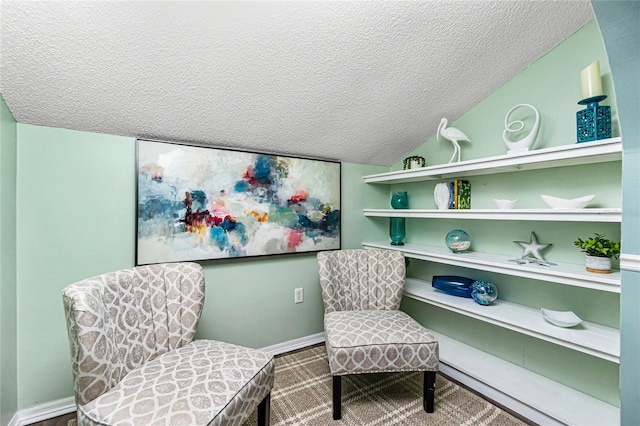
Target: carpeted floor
(302,396)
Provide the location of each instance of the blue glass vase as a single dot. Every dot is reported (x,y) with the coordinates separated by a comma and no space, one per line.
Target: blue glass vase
(397,231)
(453,285)
(483,292)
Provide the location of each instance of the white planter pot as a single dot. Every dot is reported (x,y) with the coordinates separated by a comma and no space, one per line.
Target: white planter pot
(599,265)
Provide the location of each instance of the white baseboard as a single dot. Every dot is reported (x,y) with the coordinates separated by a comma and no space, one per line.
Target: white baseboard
(45,411)
(294,344)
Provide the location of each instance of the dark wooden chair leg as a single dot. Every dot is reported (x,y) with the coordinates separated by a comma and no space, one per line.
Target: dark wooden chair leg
(337,397)
(264,411)
(429,391)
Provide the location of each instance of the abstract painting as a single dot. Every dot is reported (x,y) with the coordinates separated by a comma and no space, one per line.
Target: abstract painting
(199,203)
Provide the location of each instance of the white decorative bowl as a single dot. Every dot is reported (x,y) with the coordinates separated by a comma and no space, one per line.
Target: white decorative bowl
(563,203)
(561,318)
(505,204)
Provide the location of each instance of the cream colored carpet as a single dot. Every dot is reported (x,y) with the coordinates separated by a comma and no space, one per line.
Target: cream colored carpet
(302,396)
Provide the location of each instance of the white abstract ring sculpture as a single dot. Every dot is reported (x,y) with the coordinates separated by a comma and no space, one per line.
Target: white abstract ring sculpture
(525,143)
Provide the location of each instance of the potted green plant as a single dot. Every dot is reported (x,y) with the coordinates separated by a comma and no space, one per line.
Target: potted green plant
(413,162)
(599,251)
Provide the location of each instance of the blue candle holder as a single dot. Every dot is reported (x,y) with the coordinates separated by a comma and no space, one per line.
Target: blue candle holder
(593,122)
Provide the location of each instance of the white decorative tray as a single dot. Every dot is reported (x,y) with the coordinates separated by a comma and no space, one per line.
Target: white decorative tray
(564,203)
(561,318)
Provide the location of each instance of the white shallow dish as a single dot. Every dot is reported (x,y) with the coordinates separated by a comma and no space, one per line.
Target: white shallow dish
(561,318)
(564,203)
(505,204)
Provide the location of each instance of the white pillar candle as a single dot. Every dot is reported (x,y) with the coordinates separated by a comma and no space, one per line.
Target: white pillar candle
(591,81)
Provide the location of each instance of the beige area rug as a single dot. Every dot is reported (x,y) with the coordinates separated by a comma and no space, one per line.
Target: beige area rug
(302,396)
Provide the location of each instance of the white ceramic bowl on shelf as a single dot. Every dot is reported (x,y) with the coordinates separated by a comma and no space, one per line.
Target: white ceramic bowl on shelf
(564,203)
(505,204)
(561,318)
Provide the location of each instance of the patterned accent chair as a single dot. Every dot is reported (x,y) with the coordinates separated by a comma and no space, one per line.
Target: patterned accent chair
(135,362)
(365,332)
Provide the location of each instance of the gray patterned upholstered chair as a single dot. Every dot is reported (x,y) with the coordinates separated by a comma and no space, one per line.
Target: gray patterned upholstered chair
(135,362)
(364,330)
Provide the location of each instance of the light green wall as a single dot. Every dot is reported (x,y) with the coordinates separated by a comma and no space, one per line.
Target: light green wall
(76,218)
(621,33)
(8,336)
(552,85)
(76,209)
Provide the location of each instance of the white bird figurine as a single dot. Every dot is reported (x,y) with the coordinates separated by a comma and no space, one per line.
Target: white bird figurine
(453,135)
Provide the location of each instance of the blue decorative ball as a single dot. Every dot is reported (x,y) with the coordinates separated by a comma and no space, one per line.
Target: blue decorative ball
(458,240)
(483,292)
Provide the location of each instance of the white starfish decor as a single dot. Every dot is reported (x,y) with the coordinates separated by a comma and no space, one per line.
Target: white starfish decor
(532,248)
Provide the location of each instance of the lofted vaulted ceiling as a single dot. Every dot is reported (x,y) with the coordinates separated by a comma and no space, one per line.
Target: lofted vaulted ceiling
(361,82)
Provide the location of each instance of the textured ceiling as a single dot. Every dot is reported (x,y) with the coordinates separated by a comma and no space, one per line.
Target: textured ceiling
(362,82)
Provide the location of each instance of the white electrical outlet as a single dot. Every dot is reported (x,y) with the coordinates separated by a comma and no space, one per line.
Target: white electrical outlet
(298,295)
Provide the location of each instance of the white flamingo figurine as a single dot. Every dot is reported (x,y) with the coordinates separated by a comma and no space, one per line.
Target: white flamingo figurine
(453,135)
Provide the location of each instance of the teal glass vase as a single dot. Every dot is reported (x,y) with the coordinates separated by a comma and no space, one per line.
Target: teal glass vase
(400,200)
(397,231)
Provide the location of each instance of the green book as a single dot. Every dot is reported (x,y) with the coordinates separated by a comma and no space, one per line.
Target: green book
(462,194)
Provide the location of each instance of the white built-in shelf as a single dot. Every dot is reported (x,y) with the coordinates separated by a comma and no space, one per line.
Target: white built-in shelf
(562,273)
(601,151)
(590,338)
(547,215)
(533,395)
(538,398)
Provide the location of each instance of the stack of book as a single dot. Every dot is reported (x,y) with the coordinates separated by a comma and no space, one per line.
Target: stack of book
(459,194)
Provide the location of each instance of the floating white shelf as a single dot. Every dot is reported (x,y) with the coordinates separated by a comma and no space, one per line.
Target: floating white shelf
(547,215)
(566,155)
(590,338)
(569,274)
(536,397)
